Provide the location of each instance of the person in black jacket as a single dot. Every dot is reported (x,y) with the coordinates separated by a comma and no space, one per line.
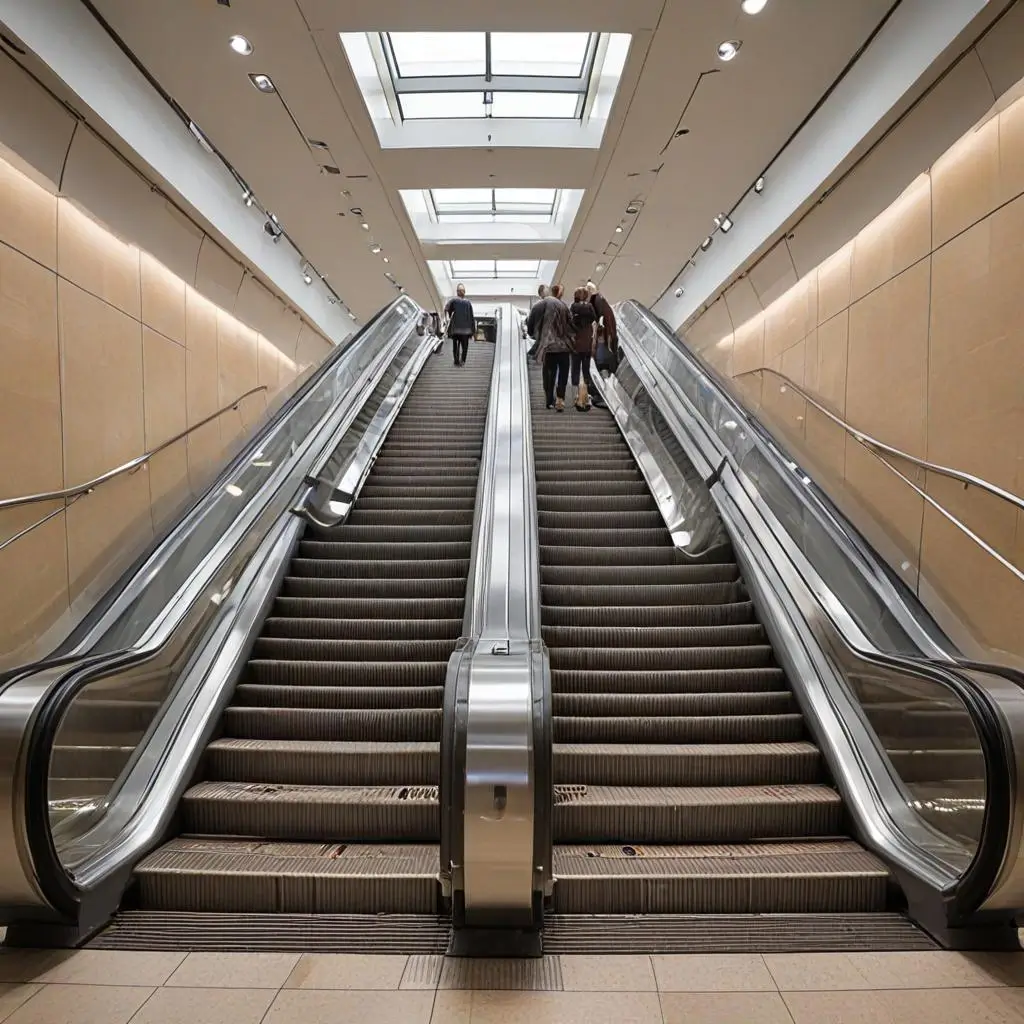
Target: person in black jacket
(461,324)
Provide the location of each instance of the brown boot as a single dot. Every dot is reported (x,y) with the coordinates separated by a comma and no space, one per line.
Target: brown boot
(560,405)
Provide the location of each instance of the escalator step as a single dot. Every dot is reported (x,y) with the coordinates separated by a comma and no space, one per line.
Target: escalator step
(324,762)
(342,674)
(238,876)
(635,575)
(735,728)
(686,765)
(394,608)
(654,659)
(720,814)
(612,596)
(386,814)
(610,637)
(720,680)
(590,538)
(430,553)
(354,697)
(659,616)
(372,724)
(672,705)
(368,587)
(277,649)
(308,628)
(338,568)
(389,530)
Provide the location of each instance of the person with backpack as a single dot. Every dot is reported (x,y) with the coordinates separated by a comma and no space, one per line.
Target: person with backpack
(584,321)
(461,324)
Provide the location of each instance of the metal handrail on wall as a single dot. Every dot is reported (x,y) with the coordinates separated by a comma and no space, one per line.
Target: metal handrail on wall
(69,495)
(879,449)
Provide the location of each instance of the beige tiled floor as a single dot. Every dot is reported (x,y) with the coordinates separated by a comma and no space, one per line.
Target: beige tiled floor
(96,987)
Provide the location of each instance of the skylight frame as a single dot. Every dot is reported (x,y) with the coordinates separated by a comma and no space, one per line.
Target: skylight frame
(497,210)
(530,271)
(491,83)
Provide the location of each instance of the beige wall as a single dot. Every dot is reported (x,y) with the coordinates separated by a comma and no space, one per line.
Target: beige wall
(914,333)
(105,354)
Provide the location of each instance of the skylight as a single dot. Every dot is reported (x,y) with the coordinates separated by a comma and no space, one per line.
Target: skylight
(494,205)
(480,270)
(438,75)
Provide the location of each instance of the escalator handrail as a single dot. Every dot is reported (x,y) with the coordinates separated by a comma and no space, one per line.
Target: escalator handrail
(69,650)
(911,613)
(872,442)
(54,685)
(1001,818)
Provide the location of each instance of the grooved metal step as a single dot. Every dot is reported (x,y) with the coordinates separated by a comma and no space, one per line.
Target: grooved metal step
(320,796)
(687,796)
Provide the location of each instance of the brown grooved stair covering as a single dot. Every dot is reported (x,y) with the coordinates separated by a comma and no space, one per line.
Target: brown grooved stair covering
(686,786)
(319,796)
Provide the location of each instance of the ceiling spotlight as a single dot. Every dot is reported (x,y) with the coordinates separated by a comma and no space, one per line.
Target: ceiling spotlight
(753,6)
(352,315)
(356,211)
(271,228)
(599,267)
(263,83)
(618,229)
(317,144)
(247,197)
(679,293)
(681,132)
(387,259)
(706,244)
(759,185)
(632,209)
(365,226)
(729,49)
(240,45)
(724,222)
(375,248)
(306,275)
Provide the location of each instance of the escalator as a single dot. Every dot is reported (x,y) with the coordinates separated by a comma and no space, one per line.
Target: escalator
(685,779)
(320,793)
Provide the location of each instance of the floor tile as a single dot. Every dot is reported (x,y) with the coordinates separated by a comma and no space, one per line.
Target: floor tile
(1008,967)
(308,1007)
(423,971)
(938,969)
(838,1007)
(205,1006)
(724,1008)
(107,967)
(608,974)
(814,972)
(947,1006)
(497,974)
(234,970)
(347,971)
(12,996)
(453,1008)
(81,1004)
(724,972)
(566,1008)
(28,964)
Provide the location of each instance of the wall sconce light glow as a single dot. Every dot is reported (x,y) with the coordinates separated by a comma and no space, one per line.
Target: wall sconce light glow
(263,83)
(706,244)
(753,6)
(240,45)
(728,50)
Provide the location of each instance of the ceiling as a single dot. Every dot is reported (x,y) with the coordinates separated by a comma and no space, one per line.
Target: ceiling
(738,115)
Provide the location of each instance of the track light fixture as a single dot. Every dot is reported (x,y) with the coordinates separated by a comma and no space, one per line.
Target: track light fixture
(247,197)
(679,293)
(724,222)
(728,50)
(759,185)
(263,83)
(307,274)
(706,244)
(271,228)
(375,248)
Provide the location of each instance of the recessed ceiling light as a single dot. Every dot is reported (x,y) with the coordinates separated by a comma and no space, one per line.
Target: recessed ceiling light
(618,229)
(632,209)
(263,83)
(753,6)
(356,211)
(240,45)
(679,293)
(386,259)
(729,49)
(375,248)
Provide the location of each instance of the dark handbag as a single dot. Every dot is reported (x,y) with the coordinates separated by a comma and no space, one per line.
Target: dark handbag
(606,358)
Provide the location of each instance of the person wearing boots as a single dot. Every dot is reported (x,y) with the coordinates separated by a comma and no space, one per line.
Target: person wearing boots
(461,324)
(584,321)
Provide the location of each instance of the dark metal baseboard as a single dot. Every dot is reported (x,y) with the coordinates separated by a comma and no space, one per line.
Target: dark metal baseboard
(732,933)
(321,933)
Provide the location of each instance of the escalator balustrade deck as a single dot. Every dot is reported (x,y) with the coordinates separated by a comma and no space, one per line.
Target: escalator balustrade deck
(321,793)
(685,781)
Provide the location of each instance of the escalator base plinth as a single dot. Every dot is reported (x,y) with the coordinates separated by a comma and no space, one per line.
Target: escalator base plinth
(409,934)
(732,933)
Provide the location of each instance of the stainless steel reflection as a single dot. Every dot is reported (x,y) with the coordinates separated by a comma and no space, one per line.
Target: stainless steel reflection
(902,744)
(497,860)
(177,633)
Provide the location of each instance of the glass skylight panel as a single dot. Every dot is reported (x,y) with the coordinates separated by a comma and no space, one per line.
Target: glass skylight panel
(550,54)
(483,270)
(419,106)
(517,268)
(527,196)
(536,104)
(472,268)
(460,198)
(439,54)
